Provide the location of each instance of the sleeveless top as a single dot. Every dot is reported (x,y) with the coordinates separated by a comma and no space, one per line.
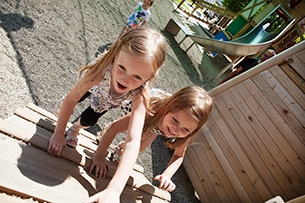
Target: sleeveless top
(101,100)
(154,92)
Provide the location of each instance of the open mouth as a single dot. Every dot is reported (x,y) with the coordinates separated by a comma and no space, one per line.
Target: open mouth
(121,87)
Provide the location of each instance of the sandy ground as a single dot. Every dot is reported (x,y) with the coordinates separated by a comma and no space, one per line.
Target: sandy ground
(43,43)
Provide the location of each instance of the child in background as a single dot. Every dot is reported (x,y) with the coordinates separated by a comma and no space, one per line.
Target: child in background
(139,17)
(177,118)
(116,78)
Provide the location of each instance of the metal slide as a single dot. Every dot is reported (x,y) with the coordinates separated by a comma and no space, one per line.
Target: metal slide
(255,41)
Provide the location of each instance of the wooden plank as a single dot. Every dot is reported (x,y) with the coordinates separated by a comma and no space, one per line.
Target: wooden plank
(297,65)
(214,163)
(232,131)
(39,137)
(82,132)
(290,112)
(198,179)
(301,56)
(221,167)
(52,117)
(295,152)
(270,122)
(27,164)
(49,178)
(37,115)
(251,144)
(80,155)
(294,76)
(45,123)
(292,97)
(203,177)
(300,199)
(229,146)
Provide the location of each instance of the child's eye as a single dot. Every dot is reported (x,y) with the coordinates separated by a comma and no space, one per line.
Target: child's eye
(137,77)
(186,130)
(175,120)
(122,68)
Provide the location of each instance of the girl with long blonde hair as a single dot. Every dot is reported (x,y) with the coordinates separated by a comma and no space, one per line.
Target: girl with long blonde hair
(177,118)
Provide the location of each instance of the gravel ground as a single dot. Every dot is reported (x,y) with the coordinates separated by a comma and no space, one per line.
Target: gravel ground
(43,43)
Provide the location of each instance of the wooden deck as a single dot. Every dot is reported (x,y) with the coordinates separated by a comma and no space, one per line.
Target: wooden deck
(253,147)
(28,172)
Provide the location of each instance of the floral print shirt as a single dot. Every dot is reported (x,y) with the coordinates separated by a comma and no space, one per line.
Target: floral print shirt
(101,100)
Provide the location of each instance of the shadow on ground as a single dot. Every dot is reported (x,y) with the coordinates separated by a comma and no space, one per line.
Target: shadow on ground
(185,61)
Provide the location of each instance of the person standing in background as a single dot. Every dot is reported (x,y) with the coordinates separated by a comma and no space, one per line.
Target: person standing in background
(139,17)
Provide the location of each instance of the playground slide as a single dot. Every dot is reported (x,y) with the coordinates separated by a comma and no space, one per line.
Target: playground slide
(255,41)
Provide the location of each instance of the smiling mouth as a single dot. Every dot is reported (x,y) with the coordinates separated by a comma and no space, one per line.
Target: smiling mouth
(170,133)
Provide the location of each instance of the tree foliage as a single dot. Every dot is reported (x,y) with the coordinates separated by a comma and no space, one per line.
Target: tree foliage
(235,5)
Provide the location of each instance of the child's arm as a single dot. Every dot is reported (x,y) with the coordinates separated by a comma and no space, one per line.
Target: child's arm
(99,164)
(142,23)
(128,159)
(176,160)
(57,141)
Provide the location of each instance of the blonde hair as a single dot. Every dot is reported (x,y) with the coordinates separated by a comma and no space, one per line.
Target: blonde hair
(192,98)
(142,42)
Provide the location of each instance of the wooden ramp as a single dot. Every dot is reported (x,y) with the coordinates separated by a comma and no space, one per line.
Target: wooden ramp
(253,146)
(29,172)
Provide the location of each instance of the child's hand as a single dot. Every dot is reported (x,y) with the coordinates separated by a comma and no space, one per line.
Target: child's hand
(99,166)
(56,143)
(106,195)
(165,183)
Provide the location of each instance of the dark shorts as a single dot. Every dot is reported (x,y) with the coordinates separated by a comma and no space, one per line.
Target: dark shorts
(89,117)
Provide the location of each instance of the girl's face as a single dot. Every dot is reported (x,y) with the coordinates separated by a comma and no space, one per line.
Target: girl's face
(178,124)
(129,71)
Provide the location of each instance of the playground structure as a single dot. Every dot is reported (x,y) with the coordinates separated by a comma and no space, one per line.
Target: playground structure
(252,42)
(248,34)
(234,25)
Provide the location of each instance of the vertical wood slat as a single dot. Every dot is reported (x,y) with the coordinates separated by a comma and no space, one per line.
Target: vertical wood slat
(221,167)
(289,116)
(294,76)
(222,137)
(214,169)
(297,98)
(270,130)
(247,138)
(201,177)
(297,62)
(243,168)
(283,92)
